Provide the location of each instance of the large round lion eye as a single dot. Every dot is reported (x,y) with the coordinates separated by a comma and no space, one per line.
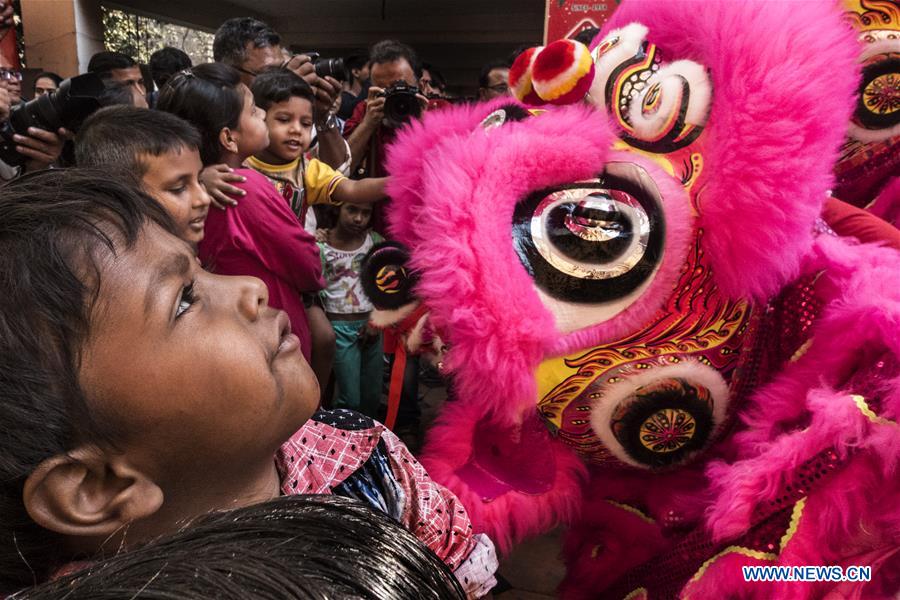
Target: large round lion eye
(592,241)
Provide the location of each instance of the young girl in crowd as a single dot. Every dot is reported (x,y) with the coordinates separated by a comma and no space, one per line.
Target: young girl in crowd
(359,360)
(260,236)
(138,391)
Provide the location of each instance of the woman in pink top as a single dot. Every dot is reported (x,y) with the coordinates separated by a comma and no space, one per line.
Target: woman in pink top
(261,236)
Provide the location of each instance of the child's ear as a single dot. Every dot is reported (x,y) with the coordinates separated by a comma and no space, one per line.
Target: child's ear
(228,140)
(88,493)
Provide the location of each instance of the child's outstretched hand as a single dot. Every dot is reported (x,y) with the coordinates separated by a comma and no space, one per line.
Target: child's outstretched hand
(216,178)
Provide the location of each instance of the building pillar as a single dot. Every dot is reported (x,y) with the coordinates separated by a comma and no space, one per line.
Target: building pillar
(61,35)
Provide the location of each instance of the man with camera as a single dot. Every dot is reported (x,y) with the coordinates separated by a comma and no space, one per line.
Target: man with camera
(36,150)
(251,46)
(393,99)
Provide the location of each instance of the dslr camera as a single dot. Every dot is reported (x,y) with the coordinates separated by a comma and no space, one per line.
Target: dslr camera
(67,107)
(401,104)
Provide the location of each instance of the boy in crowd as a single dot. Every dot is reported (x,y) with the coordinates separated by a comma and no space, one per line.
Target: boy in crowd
(160,151)
(288,102)
(139,391)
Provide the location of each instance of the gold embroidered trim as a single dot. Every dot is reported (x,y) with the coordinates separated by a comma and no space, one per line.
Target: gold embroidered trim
(643,516)
(868,412)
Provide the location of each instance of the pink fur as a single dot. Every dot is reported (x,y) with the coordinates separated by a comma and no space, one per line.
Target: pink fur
(412,145)
(812,395)
(514,516)
(772,137)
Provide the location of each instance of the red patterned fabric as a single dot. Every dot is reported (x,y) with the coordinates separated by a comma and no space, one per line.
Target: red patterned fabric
(320,457)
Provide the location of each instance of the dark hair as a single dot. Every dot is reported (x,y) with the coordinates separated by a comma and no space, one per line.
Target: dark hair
(167,61)
(587,35)
(483,81)
(277,85)
(232,37)
(207,97)
(104,62)
(54,224)
(516,52)
(49,75)
(119,136)
(356,61)
(304,547)
(388,51)
(437,78)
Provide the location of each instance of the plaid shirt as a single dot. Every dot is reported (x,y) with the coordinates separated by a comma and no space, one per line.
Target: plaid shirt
(344,453)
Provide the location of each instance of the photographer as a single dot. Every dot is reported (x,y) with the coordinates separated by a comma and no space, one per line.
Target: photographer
(390,62)
(251,46)
(40,148)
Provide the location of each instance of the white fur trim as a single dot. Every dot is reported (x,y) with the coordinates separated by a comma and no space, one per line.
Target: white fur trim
(417,334)
(689,370)
(630,39)
(670,78)
(386,318)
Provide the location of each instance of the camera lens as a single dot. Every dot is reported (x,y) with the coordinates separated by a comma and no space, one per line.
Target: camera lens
(331,67)
(67,107)
(401,104)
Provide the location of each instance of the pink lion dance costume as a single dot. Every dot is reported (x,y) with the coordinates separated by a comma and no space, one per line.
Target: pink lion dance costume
(652,338)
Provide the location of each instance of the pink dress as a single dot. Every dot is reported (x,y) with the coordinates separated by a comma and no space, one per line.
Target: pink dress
(262,237)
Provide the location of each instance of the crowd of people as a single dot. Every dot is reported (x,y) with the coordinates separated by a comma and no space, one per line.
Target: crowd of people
(317,140)
(265,166)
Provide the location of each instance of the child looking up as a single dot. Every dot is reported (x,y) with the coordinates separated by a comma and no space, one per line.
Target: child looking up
(138,391)
(160,151)
(260,236)
(359,358)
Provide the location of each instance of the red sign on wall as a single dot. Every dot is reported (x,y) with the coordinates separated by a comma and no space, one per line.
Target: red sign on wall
(567,18)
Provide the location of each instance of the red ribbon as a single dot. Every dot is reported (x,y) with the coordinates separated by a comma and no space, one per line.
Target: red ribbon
(394,344)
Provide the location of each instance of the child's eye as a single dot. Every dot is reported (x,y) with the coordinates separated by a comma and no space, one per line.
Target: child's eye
(186,300)
(178,190)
